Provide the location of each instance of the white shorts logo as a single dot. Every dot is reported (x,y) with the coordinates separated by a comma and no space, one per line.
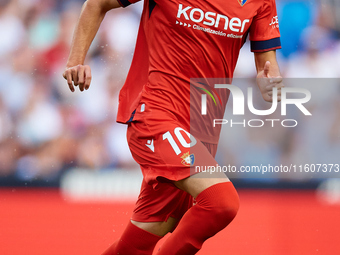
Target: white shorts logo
(149,144)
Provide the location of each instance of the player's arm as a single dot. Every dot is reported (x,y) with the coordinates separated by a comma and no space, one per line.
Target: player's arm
(264,38)
(92,14)
(268,74)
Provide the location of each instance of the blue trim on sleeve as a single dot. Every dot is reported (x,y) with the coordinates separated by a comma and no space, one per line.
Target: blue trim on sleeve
(131,118)
(124,3)
(265,45)
(152,5)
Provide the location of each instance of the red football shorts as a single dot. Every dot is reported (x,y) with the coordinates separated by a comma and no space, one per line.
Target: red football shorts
(166,152)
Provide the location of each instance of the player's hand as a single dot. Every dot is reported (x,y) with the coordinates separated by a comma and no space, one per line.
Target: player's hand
(267,82)
(78,75)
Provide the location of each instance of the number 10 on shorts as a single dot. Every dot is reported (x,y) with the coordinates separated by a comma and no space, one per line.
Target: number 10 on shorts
(168,136)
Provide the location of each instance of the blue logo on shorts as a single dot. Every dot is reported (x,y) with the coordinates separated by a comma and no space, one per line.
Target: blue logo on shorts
(242,2)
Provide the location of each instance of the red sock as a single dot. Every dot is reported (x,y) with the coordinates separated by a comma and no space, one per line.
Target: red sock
(216,207)
(133,241)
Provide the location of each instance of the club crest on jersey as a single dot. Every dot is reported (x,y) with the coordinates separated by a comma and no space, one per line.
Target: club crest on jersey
(242,2)
(188,159)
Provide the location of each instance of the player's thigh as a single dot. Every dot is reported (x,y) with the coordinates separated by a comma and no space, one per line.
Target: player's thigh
(195,184)
(158,210)
(159,228)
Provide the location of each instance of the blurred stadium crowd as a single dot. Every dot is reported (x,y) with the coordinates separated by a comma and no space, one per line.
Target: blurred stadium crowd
(45,129)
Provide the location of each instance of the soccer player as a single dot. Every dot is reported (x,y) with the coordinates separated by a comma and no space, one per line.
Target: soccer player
(178,41)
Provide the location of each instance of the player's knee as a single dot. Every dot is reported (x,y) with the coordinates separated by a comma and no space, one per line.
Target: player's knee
(227,208)
(223,205)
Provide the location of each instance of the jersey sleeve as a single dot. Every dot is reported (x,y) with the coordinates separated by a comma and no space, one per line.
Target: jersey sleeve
(125,3)
(264,30)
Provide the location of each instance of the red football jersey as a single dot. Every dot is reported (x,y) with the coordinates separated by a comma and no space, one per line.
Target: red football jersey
(181,40)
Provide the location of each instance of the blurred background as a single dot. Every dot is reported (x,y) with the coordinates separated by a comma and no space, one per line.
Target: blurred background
(67,179)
